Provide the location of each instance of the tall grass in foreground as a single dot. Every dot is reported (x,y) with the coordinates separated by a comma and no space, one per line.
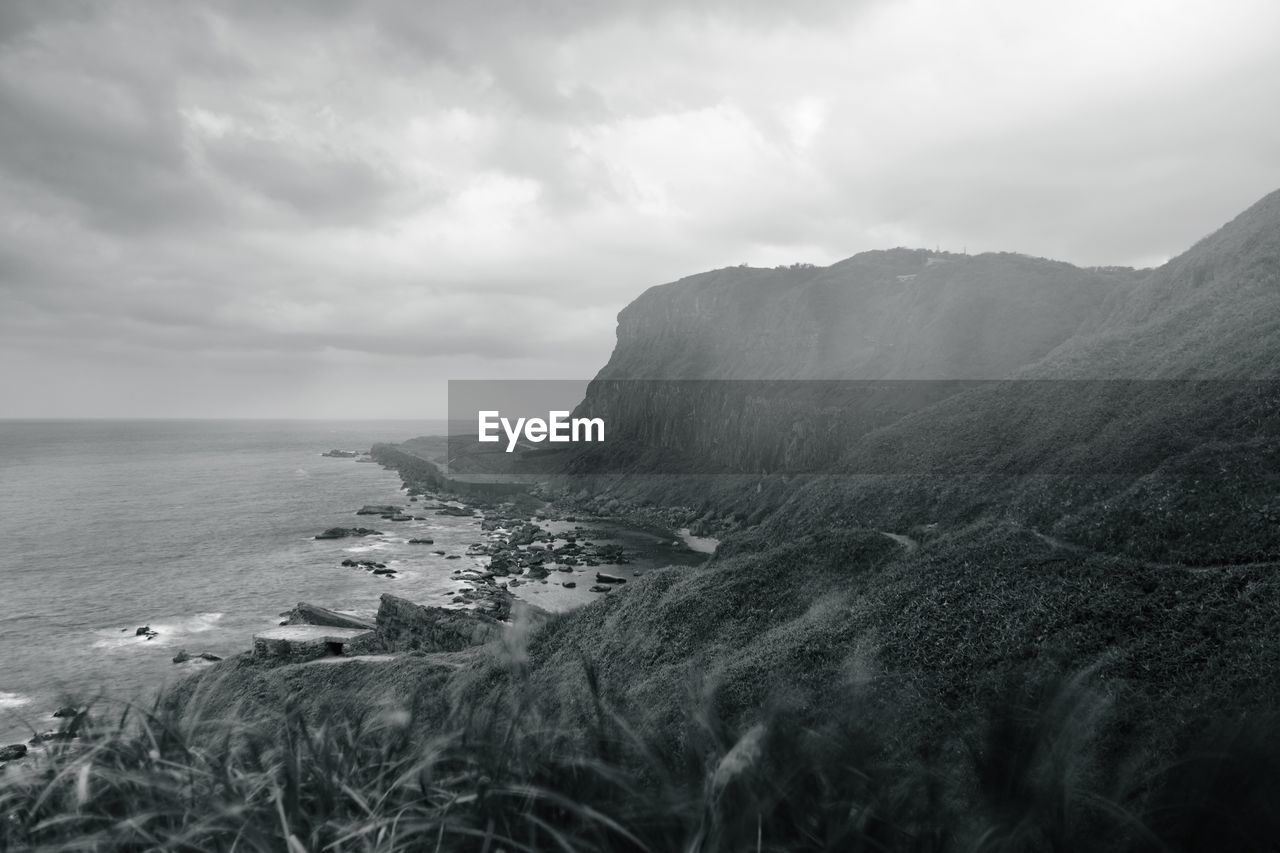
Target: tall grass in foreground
(586,775)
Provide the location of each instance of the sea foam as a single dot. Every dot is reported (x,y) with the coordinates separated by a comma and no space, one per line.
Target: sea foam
(13,700)
(167,632)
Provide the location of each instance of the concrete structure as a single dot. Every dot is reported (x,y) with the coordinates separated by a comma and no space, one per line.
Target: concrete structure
(305,642)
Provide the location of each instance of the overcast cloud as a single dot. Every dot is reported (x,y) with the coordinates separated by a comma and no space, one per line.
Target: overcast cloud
(319,209)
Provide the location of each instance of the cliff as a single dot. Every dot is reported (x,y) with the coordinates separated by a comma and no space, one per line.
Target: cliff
(911,388)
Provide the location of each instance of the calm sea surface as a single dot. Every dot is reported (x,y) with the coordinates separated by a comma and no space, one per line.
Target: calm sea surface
(200,529)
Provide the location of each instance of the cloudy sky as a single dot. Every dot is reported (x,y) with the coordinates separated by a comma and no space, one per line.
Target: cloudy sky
(326,209)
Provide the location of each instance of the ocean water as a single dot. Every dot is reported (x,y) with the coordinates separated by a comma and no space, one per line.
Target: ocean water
(201,530)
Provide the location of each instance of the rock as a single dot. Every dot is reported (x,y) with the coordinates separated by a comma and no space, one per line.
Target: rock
(537,573)
(344,532)
(405,626)
(13,752)
(46,737)
(461,512)
(143,631)
(341,454)
(604,578)
(379,509)
(422,541)
(568,584)
(384,571)
(184,656)
(453,557)
(400,517)
(439,553)
(599,588)
(361,564)
(66,711)
(314,614)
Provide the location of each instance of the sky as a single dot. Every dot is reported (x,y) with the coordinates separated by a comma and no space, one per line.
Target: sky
(328,209)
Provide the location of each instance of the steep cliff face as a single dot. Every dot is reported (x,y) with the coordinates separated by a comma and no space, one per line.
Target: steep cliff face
(898,314)
(1119,447)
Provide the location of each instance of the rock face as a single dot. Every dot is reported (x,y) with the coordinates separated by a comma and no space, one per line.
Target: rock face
(314,614)
(405,626)
(344,532)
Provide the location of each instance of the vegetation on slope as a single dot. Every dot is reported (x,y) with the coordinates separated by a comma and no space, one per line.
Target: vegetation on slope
(592,772)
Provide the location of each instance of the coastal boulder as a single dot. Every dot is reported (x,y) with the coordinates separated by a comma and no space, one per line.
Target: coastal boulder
(13,752)
(344,532)
(379,509)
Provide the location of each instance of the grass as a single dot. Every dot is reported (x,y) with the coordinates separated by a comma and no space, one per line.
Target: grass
(583,772)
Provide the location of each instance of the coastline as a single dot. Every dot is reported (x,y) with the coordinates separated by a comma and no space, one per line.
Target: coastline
(551,557)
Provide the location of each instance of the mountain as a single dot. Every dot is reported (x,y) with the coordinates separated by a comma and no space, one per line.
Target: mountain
(1211,312)
(897,314)
(1124,408)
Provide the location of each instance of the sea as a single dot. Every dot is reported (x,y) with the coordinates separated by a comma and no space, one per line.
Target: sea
(200,530)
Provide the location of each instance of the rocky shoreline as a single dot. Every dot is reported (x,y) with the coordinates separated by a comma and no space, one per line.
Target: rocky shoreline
(542,538)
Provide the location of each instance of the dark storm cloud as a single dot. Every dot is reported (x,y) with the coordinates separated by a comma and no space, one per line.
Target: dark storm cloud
(389,193)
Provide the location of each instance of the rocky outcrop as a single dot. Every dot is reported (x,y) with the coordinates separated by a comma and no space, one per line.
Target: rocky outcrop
(405,626)
(183,656)
(314,614)
(379,509)
(344,532)
(13,752)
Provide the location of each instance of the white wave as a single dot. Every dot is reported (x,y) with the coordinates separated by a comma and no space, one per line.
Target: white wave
(166,633)
(361,549)
(13,700)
